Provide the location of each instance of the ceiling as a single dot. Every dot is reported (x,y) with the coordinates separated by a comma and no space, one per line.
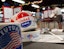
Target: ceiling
(44,3)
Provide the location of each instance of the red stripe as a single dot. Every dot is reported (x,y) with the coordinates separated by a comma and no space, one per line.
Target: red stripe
(21,15)
(14,35)
(13,43)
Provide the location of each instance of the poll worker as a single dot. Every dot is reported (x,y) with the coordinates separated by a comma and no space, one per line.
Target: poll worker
(38,16)
(58,14)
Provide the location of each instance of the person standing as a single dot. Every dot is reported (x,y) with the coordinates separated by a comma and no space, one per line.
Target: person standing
(38,16)
(58,14)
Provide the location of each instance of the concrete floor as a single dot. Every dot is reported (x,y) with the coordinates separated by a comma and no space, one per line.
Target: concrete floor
(31,45)
(41,45)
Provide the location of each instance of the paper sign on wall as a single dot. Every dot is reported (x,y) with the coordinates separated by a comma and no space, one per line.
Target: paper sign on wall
(9,12)
(17,9)
(46,14)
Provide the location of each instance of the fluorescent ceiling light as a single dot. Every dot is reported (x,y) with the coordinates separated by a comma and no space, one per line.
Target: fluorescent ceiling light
(19,1)
(43,8)
(62,10)
(48,7)
(3,0)
(35,6)
(1,11)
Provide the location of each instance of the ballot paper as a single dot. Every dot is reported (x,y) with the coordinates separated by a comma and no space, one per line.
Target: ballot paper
(57,30)
(30,35)
(47,38)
